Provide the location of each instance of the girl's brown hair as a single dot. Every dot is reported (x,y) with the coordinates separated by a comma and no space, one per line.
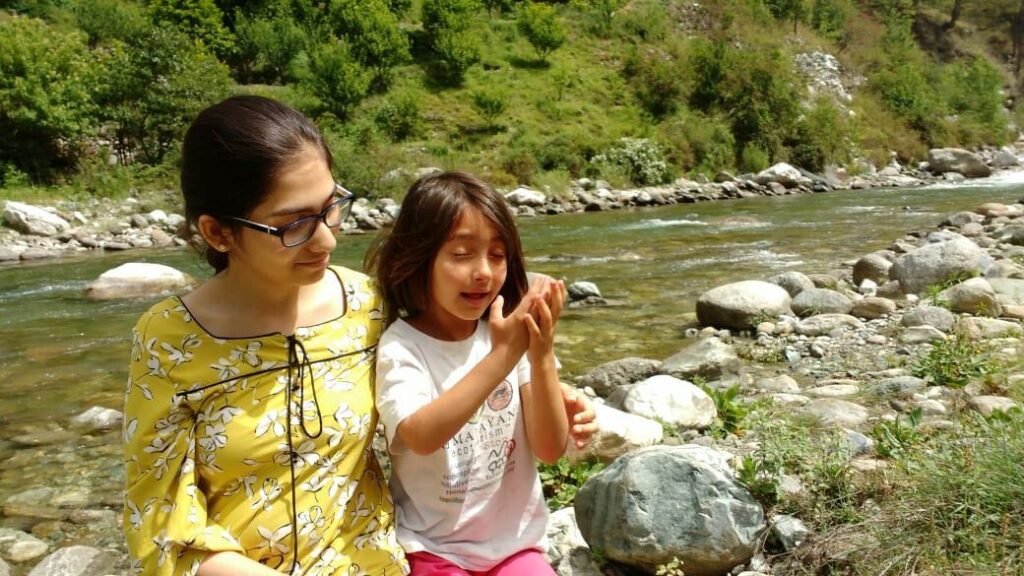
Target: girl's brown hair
(403,254)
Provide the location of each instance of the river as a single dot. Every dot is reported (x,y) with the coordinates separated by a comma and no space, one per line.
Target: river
(62,353)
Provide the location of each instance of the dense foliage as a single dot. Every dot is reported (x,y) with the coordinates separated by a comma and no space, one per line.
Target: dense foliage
(523,91)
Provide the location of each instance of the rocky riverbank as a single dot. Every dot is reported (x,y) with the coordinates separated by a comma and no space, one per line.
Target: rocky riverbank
(34,233)
(838,349)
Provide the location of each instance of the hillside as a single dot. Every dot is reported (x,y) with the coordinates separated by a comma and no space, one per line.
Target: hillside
(635,93)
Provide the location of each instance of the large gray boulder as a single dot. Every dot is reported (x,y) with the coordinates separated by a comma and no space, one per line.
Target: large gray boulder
(973,296)
(136,279)
(29,219)
(666,502)
(619,433)
(874,267)
(942,160)
(784,174)
(1008,290)
(742,304)
(934,264)
(926,315)
(604,379)
(793,282)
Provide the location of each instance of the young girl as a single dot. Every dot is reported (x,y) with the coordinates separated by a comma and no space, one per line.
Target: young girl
(464,411)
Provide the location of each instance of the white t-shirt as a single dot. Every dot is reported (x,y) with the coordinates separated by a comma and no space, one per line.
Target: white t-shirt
(478,500)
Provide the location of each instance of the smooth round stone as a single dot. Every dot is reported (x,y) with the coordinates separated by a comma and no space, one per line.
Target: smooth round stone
(25,550)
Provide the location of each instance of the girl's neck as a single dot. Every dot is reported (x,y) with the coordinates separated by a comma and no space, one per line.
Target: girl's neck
(232,305)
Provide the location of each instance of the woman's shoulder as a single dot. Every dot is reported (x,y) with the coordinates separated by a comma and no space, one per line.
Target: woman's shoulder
(167,315)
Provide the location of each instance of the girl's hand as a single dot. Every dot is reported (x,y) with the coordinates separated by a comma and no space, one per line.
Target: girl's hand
(580,411)
(511,331)
(541,323)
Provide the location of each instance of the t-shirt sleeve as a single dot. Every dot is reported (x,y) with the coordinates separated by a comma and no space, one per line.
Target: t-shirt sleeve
(166,526)
(403,386)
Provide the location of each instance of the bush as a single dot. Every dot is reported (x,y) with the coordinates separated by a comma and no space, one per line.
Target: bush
(640,158)
(448,27)
(974,90)
(107,20)
(645,20)
(399,116)
(656,78)
(563,479)
(371,31)
(154,87)
(568,150)
(599,15)
(829,17)
(699,143)
(46,106)
(336,78)
(540,25)
(754,159)
(821,137)
(267,47)
(489,103)
(953,362)
(200,20)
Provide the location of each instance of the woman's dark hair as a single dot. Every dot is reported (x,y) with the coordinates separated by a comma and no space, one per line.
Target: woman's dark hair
(403,254)
(232,153)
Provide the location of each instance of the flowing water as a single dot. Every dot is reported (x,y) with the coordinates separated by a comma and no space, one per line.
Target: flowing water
(61,353)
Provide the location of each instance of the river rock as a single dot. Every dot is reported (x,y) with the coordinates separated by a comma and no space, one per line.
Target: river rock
(525,197)
(784,174)
(619,433)
(789,530)
(926,314)
(793,282)
(74,561)
(921,335)
(961,219)
(874,267)
(567,551)
(666,502)
(902,386)
(25,550)
(934,264)
(986,405)
(582,290)
(742,304)
(985,328)
(974,296)
(136,279)
(835,412)
(942,160)
(37,253)
(671,400)
(29,219)
(1005,158)
(709,358)
(782,383)
(604,379)
(5,570)
(99,418)
(1008,290)
(872,307)
(820,301)
(824,324)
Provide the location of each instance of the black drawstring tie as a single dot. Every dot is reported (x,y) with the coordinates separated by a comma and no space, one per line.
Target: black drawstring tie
(299,369)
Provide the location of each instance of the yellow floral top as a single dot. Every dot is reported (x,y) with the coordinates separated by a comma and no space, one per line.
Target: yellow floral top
(257,445)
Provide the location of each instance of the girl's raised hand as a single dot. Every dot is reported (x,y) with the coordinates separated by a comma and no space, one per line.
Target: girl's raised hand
(541,322)
(511,331)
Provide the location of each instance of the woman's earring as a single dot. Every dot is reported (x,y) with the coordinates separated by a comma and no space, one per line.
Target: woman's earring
(222,248)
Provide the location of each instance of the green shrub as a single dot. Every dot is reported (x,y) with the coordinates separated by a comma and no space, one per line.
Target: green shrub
(106,20)
(563,479)
(200,20)
(730,412)
(336,78)
(953,362)
(821,137)
(540,25)
(896,438)
(47,77)
(520,163)
(372,33)
(974,90)
(489,103)
(656,78)
(399,115)
(829,17)
(640,158)
(599,15)
(154,87)
(448,25)
(754,159)
(699,143)
(267,47)
(645,20)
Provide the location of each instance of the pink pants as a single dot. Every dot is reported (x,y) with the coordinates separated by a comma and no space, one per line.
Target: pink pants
(525,563)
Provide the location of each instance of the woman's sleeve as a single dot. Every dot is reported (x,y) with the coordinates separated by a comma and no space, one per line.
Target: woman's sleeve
(165,521)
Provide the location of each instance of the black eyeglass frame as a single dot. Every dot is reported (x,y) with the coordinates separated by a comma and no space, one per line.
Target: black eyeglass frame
(344,202)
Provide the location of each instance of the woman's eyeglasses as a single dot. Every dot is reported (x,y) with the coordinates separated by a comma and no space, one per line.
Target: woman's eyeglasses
(298,231)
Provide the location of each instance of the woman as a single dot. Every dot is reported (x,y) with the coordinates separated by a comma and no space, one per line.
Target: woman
(249,407)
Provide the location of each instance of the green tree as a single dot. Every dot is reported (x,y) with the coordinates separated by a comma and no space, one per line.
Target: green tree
(600,14)
(47,76)
(266,47)
(106,20)
(449,29)
(371,31)
(337,78)
(793,10)
(490,103)
(153,88)
(655,75)
(199,19)
(829,17)
(540,25)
